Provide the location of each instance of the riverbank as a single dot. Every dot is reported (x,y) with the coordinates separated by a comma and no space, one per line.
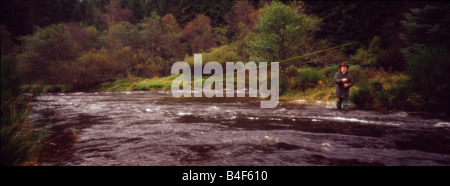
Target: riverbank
(139,128)
(136,84)
(373,89)
(21,140)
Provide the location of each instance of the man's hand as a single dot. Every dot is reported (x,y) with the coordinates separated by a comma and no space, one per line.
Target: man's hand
(345,85)
(344,80)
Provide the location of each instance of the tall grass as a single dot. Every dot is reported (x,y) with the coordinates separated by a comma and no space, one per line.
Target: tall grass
(20,140)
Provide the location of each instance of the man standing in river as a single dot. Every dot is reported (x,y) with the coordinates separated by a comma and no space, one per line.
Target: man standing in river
(343,81)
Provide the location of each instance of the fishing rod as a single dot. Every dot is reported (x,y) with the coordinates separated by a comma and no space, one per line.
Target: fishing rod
(297,57)
(302,56)
(320,51)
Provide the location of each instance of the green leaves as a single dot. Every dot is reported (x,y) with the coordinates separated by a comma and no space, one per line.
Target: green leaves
(48,46)
(427,26)
(283,32)
(367,57)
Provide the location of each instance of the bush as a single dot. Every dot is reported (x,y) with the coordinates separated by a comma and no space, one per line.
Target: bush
(308,78)
(92,68)
(363,96)
(47,49)
(222,54)
(392,92)
(358,73)
(282,32)
(329,72)
(367,57)
(428,70)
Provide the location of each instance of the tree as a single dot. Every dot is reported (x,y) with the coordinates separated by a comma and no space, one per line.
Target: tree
(10,78)
(426,34)
(150,33)
(171,35)
(114,13)
(283,32)
(91,68)
(242,14)
(85,37)
(348,21)
(45,50)
(427,26)
(198,33)
(367,57)
(138,7)
(123,34)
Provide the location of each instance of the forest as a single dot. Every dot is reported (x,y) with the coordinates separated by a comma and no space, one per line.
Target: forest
(397,51)
(78,45)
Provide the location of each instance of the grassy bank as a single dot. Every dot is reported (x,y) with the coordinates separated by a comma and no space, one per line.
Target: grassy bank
(133,84)
(137,84)
(373,88)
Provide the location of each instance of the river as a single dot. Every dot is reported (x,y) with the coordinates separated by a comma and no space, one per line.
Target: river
(152,128)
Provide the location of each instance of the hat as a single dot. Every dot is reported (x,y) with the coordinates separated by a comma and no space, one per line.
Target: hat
(343,64)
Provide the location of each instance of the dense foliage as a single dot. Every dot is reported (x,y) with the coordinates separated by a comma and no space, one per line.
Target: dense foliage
(398,51)
(79,44)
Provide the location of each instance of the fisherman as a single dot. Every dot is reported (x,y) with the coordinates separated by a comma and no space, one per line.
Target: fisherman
(343,81)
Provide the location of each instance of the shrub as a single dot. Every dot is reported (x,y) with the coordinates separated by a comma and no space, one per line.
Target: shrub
(367,57)
(392,92)
(428,70)
(328,73)
(358,73)
(363,96)
(307,78)
(49,47)
(222,54)
(282,32)
(92,68)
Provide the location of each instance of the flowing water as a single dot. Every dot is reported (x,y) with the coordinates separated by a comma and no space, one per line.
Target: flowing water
(151,128)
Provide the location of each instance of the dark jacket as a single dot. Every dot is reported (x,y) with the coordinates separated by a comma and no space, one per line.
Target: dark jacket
(340,91)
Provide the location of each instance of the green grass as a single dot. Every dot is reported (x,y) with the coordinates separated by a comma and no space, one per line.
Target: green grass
(384,90)
(321,92)
(20,141)
(373,89)
(155,83)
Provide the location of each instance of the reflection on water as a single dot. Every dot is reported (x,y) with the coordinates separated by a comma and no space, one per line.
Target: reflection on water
(151,128)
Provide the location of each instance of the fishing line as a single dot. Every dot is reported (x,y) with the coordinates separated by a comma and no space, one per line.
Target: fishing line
(302,56)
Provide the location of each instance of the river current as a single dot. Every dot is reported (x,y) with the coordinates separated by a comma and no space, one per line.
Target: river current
(152,128)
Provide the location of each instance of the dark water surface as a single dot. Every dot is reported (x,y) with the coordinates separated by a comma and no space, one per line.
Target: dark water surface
(151,128)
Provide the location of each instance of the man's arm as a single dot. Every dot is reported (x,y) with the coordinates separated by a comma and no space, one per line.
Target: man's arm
(350,80)
(336,80)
